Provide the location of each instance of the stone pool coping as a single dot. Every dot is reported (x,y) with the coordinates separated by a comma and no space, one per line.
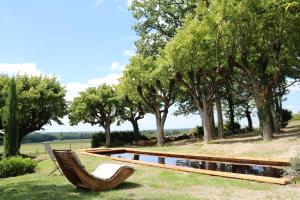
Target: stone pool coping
(227,159)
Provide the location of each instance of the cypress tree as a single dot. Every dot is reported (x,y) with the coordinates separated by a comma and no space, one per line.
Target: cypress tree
(10,121)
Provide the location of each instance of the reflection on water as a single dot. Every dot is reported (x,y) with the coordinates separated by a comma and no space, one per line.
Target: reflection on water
(161,160)
(208,165)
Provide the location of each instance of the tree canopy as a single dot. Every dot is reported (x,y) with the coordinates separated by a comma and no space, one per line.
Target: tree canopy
(158,21)
(96,106)
(151,84)
(40,101)
(195,56)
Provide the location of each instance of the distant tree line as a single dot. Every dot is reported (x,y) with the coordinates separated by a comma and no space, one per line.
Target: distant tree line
(118,136)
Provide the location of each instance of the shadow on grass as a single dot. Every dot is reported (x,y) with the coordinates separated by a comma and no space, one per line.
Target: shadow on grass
(34,190)
(287,134)
(127,185)
(237,140)
(255,137)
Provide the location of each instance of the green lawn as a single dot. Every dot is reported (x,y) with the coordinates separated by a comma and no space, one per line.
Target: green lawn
(155,183)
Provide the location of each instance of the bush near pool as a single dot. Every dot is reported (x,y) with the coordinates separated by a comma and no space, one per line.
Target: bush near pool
(16,166)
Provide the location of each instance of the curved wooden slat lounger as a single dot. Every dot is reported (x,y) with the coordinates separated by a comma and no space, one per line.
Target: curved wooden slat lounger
(106,176)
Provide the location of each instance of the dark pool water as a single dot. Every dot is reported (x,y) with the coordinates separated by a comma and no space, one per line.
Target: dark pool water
(257,170)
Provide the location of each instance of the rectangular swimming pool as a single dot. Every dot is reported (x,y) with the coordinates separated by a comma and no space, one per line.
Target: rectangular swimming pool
(263,170)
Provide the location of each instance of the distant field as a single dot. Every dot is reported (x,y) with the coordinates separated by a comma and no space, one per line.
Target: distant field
(38,148)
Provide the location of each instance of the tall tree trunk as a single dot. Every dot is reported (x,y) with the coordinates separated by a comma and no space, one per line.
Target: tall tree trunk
(206,123)
(275,119)
(212,120)
(249,119)
(267,127)
(160,129)
(263,107)
(278,108)
(136,131)
(107,135)
(231,115)
(220,118)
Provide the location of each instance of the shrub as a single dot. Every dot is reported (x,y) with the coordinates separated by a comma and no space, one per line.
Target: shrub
(38,137)
(16,166)
(197,132)
(116,138)
(97,139)
(227,127)
(293,171)
(286,116)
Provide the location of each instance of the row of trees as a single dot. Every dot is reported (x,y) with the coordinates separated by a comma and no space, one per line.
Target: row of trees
(241,52)
(199,54)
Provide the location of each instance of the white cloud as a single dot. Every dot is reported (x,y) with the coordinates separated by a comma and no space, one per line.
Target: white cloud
(110,79)
(73,89)
(12,69)
(129,53)
(116,66)
(19,68)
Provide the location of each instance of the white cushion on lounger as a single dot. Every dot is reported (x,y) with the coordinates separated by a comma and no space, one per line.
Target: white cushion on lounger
(106,171)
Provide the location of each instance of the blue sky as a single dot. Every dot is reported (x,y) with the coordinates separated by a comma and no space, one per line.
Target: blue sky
(83,42)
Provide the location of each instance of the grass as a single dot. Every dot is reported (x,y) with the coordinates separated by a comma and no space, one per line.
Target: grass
(156,183)
(296,117)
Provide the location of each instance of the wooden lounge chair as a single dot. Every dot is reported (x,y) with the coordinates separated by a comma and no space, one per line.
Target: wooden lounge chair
(52,157)
(106,176)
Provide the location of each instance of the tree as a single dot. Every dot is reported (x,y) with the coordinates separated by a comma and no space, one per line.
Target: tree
(247,109)
(131,108)
(195,56)
(131,111)
(96,106)
(144,78)
(40,102)
(10,121)
(157,22)
(263,41)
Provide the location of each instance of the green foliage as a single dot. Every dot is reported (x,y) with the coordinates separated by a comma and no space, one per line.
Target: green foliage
(263,45)
(131,110)
(195,55)
(16,166)
(197,131)
(145,79)
(95,142)
(293,171)
(227,127)
(40,101)
(10,121)
(38,137)
(96,106)
(286,116)
(157,22)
